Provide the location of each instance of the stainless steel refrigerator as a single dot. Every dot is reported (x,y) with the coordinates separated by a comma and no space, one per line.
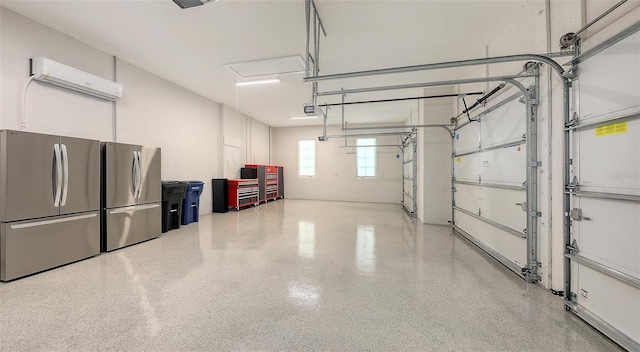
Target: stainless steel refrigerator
(50,205)
(131,194)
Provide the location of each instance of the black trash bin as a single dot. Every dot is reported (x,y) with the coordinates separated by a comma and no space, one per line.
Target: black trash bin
(220,195)
(191,203)
(173,193)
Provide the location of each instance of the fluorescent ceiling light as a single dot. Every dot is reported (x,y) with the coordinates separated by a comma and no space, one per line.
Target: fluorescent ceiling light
(267,67)
(185,4)
(305,117)
(258,81)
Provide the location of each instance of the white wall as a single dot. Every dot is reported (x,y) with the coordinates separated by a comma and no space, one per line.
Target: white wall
(152,111)
(50,109)
(260,142)
(336,168)
(155,112)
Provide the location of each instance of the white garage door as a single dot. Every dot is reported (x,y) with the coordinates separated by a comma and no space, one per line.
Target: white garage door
(604,244)
(490,173)
(409,173)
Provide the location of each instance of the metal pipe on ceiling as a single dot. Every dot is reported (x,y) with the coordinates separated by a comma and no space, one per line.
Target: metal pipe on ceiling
(508,79)
(605,44)
(319,20)
(599,17)
(441,65)
(370,146)
(369,134)
(446,127)
(307,8)
(402,99)
(423,85)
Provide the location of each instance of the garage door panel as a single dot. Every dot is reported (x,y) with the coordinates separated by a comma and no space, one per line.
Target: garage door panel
(467,138)
(610,236)
(611,161)
(501,225)
(504,165)
(605,160)
(612,300)
(511,247)
(506,124)
(500,205)
(468,197)
(606,81)
(467,168)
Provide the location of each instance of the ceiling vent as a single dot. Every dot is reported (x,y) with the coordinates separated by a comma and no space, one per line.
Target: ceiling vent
(267,67)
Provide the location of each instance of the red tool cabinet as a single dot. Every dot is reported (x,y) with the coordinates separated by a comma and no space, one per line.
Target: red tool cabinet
(270,182)
(243,193)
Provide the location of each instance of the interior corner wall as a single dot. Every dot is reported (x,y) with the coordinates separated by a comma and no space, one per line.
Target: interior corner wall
(246,141)
(436,159)
(336,168)
(259,134)
(152,110)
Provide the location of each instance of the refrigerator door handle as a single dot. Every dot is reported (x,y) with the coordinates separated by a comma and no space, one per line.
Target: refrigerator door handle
(133,208)
(65,174)
(134,175)
(53,221)
(139,174)
(57,176)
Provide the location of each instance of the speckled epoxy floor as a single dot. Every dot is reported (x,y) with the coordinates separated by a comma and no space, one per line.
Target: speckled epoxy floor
(291,275)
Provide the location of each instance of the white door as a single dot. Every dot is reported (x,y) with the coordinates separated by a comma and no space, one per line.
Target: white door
(490,173)
(605,195)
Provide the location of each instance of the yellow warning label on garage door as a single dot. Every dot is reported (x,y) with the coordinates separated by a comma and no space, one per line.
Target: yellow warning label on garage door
(614,128)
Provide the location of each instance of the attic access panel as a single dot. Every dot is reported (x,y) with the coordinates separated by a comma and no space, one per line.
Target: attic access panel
(267,67)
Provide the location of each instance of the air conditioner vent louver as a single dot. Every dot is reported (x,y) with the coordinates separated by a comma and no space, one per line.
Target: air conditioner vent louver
(49,71)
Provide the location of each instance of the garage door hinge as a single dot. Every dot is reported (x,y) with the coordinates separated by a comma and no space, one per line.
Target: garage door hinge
(537,214)
(573,186)
(576,214)
(569,74)
(573,122)
(535,163)
(573,247)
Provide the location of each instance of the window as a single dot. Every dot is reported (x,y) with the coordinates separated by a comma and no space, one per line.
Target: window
(307,158)
(366,157)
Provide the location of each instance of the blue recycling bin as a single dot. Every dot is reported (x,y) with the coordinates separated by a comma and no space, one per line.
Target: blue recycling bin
(191,202)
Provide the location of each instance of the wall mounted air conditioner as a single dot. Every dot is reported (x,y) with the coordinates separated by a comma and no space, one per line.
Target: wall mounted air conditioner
(49,71)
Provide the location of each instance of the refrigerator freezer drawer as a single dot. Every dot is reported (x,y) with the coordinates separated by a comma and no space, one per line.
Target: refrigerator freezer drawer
(28,247)
(130,225)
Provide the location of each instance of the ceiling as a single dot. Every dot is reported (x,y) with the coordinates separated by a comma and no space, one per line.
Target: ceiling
(190,47)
